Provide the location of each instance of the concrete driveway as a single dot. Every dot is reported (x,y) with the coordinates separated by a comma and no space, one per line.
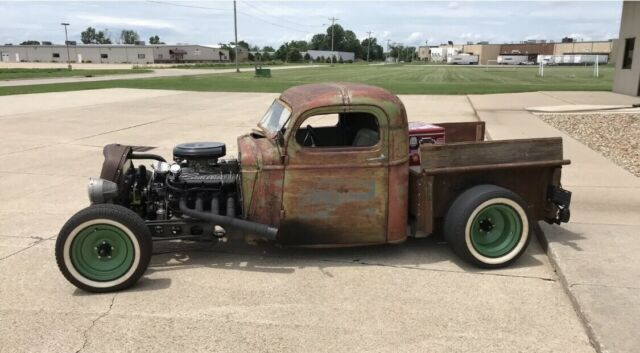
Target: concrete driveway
(413,297)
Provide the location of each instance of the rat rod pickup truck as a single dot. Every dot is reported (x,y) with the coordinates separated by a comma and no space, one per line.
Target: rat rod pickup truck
(328,165)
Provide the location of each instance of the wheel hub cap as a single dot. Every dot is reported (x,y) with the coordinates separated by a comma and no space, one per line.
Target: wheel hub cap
(102,252)
(496,230)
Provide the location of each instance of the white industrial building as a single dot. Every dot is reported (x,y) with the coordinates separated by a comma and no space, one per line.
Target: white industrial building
(444,54)
(113,53)
(344,55)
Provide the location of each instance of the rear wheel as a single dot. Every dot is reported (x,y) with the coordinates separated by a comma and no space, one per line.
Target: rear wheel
(104,248)
(488,226)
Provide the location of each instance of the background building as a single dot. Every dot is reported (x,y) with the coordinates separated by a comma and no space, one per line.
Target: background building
(112,53)
(532,50)
(443,52)
(485,52)
(344,55)
(627,75)
(582,48)
(188,53)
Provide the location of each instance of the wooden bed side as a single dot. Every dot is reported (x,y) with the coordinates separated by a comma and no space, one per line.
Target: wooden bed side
(462,156)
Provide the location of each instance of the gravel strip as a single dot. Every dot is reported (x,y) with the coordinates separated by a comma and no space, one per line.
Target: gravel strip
(614,135)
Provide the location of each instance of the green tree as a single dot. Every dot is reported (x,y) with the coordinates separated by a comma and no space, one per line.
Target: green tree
(155,40)
(268,48)
(91,36)
(301,45)
(242,44)
(352,44)
(281,53)
(102,37)
(338,37)
(307,57)
(294,56)
(129,36)
(376,52)
(30,42)
(88,36)
(319,42)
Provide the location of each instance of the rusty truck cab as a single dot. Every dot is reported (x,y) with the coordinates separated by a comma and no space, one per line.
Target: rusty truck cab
(335,172)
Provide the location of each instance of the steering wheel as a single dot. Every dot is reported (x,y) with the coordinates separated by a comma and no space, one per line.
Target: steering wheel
(311,136)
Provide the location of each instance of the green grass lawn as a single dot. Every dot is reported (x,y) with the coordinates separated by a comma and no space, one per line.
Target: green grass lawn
(14,74)
(409,79)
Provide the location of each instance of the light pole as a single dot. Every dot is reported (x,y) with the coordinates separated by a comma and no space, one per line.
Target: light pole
(235,30)
(66,42)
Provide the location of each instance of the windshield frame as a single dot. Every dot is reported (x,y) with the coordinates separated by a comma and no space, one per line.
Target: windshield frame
(274,133)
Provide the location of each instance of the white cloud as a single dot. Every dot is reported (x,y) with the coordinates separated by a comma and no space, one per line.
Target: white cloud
(127,21)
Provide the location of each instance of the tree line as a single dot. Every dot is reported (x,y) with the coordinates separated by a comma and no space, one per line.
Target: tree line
(343,40)
(127,36)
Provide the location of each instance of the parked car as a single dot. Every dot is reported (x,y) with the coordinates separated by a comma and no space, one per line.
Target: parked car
(327,165)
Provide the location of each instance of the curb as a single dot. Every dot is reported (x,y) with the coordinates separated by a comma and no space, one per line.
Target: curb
(567,289)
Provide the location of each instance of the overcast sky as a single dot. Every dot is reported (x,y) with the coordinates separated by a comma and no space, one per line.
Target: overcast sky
(271,23)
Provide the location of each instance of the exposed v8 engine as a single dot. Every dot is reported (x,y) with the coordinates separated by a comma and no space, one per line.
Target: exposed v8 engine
(175,195)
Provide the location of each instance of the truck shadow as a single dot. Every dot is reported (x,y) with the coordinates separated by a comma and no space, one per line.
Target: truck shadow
(431,254)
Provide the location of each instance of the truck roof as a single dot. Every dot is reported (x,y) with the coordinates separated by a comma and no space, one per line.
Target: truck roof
(305,97)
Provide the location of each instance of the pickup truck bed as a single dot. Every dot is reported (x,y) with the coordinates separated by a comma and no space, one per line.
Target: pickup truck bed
(529,167)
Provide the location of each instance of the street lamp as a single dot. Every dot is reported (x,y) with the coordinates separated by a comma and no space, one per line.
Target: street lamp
(66,41)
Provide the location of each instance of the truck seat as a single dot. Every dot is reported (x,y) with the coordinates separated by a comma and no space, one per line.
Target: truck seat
(365,138)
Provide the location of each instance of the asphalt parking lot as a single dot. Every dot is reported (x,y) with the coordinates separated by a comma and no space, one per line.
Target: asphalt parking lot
(412,297)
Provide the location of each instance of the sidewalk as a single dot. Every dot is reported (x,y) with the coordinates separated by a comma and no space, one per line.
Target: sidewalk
(153,74)
(596,254)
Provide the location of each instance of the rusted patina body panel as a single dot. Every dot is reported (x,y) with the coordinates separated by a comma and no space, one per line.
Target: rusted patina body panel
(330,196)
(360,195)
(262,177)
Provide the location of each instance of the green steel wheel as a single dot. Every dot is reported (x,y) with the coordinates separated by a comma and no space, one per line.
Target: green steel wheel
(102,251)
(104,248)
(496,230)
(488,226)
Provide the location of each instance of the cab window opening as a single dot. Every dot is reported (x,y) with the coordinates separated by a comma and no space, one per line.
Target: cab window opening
(351,129)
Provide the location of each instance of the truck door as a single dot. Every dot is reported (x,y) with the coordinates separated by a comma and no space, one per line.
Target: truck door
(336,178)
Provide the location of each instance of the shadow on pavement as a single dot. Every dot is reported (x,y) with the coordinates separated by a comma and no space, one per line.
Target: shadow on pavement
(420,254)
(560,235)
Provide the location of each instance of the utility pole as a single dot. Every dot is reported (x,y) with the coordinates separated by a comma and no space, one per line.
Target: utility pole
(235,31)
(368,46)
(66,42)
(333,21)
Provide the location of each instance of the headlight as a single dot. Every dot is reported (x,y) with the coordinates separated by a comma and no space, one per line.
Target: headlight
(101,191)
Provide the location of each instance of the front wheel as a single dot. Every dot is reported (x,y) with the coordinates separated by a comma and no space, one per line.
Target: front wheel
(488,226)
(104,248)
